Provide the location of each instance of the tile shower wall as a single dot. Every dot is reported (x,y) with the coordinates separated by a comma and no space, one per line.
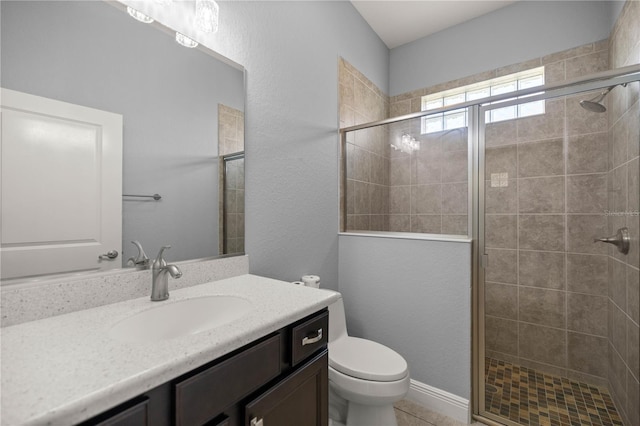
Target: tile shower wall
(230,130)
(545,284)
(623,295)
(429,187)
(231,206)
(367,192)
(234,212)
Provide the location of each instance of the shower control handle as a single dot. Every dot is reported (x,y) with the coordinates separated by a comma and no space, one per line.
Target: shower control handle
(621,240)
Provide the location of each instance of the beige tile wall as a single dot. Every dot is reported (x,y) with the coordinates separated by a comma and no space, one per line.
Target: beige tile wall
(546,283)
(623,190)
(234,212)
(230,141)
(230,130)
(429,187)
(439,170)
(546,292)
(367,192)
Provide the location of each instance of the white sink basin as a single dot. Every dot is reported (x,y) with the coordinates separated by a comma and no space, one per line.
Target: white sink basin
(175,319)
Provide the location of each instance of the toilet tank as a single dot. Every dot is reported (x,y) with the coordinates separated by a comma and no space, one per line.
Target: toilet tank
(337,321)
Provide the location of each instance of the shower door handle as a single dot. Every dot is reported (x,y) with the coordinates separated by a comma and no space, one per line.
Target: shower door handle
(622,240)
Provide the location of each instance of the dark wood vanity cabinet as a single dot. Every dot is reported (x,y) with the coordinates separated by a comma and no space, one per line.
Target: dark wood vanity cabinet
(299,400)
(278,380)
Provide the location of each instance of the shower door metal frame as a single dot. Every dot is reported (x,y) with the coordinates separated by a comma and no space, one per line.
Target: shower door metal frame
(480,258)
(224,161)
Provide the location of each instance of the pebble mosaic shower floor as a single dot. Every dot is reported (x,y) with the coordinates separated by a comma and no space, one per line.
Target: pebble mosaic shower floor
(531,398)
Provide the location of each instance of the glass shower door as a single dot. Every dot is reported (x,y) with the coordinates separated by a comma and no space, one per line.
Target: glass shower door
(558,311)
(232,204)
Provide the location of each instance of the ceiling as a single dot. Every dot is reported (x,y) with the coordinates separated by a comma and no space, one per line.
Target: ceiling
(400,21)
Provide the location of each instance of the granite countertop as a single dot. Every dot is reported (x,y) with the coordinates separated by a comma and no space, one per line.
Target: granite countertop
(65,369)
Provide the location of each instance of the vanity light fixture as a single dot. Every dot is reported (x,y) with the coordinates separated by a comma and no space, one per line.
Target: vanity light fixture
(407,144)
(185,41)
(207,16)
(139,16)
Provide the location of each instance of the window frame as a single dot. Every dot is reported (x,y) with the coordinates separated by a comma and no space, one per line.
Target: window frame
(459,118)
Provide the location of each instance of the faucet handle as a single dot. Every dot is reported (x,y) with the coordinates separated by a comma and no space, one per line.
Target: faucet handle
(160,253)
(141,260)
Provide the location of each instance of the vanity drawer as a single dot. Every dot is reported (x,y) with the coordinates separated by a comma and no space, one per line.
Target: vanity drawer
(206,394)
(309,337)
(132,413)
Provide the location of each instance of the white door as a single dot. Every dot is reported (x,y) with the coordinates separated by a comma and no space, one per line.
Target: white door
(61,187)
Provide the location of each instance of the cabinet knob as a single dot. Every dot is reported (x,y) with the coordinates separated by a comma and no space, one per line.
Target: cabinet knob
(256,422)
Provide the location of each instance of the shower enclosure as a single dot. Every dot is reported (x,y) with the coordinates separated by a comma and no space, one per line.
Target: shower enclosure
(555,307)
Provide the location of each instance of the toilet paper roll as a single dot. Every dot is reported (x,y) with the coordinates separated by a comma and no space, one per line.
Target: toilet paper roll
(311,281)
(298,283)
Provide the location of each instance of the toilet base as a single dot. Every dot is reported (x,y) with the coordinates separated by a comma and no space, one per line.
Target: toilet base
(348,413)
(371,415)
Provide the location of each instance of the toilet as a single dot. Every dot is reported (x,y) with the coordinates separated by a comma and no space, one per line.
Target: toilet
(365,377)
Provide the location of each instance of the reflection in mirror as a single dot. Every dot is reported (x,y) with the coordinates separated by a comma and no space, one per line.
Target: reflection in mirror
(182,111)
(231,179)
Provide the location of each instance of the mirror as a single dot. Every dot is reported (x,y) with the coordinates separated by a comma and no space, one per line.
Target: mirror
(182,115)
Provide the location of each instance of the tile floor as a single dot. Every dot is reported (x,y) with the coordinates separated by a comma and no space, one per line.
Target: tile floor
(529,397)
(411,414)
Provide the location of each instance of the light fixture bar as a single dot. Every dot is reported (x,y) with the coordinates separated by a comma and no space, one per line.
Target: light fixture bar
(139,16)
(185,41)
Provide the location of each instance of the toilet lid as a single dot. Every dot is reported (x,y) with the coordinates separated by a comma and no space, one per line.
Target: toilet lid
(367,360)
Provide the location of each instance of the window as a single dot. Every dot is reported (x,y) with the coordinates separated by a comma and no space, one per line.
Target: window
(458,118)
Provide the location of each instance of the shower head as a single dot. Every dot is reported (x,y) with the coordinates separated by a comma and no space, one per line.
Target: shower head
(594,104)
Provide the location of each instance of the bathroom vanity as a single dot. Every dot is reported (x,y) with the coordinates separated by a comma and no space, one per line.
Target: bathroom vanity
(268,367)
(280,380)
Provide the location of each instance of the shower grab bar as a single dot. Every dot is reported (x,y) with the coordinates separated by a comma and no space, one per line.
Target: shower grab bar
(631,71)
(156,197)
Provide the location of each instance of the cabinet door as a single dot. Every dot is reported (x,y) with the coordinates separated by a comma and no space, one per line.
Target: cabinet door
(299,400)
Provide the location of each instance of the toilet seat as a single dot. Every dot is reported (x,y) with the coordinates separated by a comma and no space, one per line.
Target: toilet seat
(367,360)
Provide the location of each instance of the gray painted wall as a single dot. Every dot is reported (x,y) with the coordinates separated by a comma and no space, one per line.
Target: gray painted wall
(406,295)
(394,289)
(290,51)
(92,54)
(516,33)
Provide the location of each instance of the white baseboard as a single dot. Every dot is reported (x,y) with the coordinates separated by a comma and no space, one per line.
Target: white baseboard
(439,401)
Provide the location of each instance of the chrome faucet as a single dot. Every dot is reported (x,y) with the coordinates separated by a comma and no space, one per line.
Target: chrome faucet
(141,261)
(159,277)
